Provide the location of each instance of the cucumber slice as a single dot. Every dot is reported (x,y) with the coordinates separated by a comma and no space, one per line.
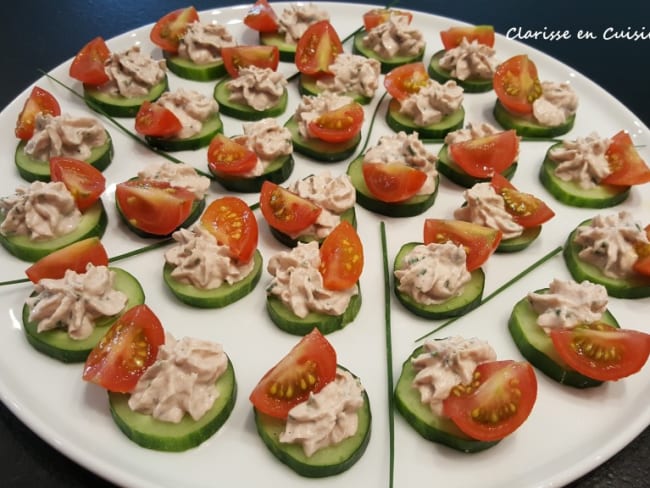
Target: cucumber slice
(537,347)
(278,171)
(413,206)
(570,193)
(430,426)
(328,461)
(399,122)
(470,85)
(57,344)
(637,286)
(349,215)
(516,244)
(188,69)
(289,322)
(242,111)
(31,169)
(307,86)
(151,433)
(386,63)
(287,50)
(215,297)
(468,300)
(526,126)
(197,209)
(92,224)
(321,150)
(455,173)
(119,106)
(211,126)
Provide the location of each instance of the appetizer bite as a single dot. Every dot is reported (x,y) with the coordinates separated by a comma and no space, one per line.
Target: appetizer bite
(215,262)
(397,177)
(423,105)
(442,277)
(454,392)
(312,414)
(264,152)
(499,205)
(614,251)
(116,84)
(567,332)
(532,107)
(468,58)
(592,171)
(316,287)
(76,299)
(164,394)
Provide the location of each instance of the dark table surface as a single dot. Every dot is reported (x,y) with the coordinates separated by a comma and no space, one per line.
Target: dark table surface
(42,34)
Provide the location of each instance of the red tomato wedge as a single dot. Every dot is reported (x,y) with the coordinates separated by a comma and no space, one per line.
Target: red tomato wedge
(484,156)
(169,29)
(306,369)
(155,120)
(229,157)
(286,211)
(338,125)
(261,17)
(405,80)
(317,49)
(341,257)
(526,209)
(517,85)
(237,57)
(126,351)
(602,352)
(452,37)
(154,207)
(76,257)
(233,224)
(376,16)
(498,401)
(39,101)
(625,162)
(88,64)
(478,241)
(392,182)
(85,182)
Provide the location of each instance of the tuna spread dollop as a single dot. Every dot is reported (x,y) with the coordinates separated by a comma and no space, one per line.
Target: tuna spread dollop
(258,88)
(556,104)
(268,140)
(432,102)
(177,174)
(582,160)
(191,108)
(470,132)
(352,74)
(395,37)
(132,74)
(295,19)
(470,60)
(312,107)
(202,43)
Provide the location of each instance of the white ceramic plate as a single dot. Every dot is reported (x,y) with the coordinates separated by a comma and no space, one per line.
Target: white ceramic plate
(568,433)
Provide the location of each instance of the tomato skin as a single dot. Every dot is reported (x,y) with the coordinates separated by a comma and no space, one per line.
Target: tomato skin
(452,37)
(155,120)
(317,49)
(312,360)
(261,17)
(229,157)
(341,257)
(233,223)
(392,182)
(589,348)
(338,125)
(39,101)
(376,16)
(126,351)
(154,207)
(237,57)
(484,156)
(502,384)
(76,257)
(85,182)
(517,85)
(478,241)
(88,64)
(286,211)
(169,29)
(628,168)
(405,80)
(526,209)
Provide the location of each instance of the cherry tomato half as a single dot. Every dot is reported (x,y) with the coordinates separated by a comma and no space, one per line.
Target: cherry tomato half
(237,57)
(286,211)
(392,182)
(88,64)
(625,162)
(261,17)
(484,156)
(169,29)
(452,37)
(405,80)
(338,125)
(317,49)
(341,257)
(155,120)
(517,85)
(526,209)
(76,257)
(377,16)
(229,157)
(39,101)
(85,182)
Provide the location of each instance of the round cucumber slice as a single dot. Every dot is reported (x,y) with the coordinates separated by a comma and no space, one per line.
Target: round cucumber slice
(470,85)
(278,171)
(197,209)
(188,69)
(349,215)
(151,433)
(526,126)
(119,106)
(287,50)
(307,86)
(469,299)
(321,150)
(57,344)
(519,243)
(386,64)
(211,126)
(439,130)
(242,111)
(455,173)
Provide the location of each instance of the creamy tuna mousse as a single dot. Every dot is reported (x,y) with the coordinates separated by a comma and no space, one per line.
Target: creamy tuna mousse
(556,104)
(268,140)
(470,60)
(352,74)
(132,73)
(312,107)
(582,160)
(394,38)
(432,102)
(177,174)
(296,19)
(202,43)
(258,88)
(191,108)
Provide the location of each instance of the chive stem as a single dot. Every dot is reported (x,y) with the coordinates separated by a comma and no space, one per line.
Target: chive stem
(14,282)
